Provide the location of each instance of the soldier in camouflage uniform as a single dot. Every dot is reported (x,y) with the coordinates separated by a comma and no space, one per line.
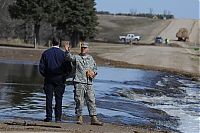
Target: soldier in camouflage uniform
(85,71)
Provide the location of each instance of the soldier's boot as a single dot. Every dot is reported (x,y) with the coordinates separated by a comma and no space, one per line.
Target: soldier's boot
(95,121)
(80,120)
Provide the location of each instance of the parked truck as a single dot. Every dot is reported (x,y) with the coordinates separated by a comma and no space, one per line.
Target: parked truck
(129,38)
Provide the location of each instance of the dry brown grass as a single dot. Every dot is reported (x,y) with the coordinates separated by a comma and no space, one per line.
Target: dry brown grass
(110,27)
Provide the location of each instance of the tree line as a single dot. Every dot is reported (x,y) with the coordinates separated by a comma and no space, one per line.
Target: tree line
(148,15)
(72,19)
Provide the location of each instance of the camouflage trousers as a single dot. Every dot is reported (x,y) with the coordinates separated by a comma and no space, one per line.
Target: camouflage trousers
(84,92)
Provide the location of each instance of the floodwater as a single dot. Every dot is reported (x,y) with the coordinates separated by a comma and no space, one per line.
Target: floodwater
(123,96)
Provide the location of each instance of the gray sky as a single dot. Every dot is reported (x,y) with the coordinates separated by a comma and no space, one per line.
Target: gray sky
(179,8)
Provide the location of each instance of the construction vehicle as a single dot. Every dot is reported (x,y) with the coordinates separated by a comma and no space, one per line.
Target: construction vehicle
(182,34)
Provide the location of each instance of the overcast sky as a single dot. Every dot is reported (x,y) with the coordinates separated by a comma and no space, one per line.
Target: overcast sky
(179,8)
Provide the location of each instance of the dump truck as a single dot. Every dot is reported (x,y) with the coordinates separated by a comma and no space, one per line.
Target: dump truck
(182,34)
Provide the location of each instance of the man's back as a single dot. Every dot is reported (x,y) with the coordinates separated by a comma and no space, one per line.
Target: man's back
(53,64)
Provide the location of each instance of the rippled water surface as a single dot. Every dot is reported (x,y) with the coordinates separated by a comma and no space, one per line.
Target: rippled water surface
(124,96)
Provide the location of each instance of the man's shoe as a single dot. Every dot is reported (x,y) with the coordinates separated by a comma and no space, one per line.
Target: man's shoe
(80,120)
(47,120)
(58,121)
(95,121)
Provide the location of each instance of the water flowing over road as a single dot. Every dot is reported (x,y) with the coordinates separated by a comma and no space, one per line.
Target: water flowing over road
(124,96)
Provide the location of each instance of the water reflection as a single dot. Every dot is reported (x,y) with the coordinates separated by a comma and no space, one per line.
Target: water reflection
(18,83)
(127,96)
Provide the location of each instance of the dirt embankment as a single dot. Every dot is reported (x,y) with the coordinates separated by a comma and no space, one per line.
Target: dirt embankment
(191,25)
(176,60)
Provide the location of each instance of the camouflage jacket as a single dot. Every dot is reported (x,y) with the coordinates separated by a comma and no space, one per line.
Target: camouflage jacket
(81,65)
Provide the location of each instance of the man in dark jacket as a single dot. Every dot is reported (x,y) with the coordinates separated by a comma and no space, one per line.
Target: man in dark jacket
(54,69)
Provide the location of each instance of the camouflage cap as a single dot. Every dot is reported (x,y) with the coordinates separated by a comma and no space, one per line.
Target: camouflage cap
(84,45)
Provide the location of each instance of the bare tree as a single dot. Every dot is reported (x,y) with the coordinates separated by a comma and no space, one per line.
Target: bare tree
(165,12)
(133,11)
(168,12)
(151,11)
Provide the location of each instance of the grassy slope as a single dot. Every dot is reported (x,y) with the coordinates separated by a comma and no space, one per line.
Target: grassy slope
(110,27)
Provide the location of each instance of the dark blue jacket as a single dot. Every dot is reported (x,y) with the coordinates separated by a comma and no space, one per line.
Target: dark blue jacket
(53,65)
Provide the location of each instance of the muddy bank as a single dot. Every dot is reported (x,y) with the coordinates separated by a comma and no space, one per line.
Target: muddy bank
(38,126)
(107,62)
(171,59)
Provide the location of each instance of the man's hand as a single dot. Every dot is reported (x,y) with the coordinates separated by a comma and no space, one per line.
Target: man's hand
(90,74)
(66,46)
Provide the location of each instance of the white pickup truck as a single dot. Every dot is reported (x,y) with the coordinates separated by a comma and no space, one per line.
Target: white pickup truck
(129,38)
